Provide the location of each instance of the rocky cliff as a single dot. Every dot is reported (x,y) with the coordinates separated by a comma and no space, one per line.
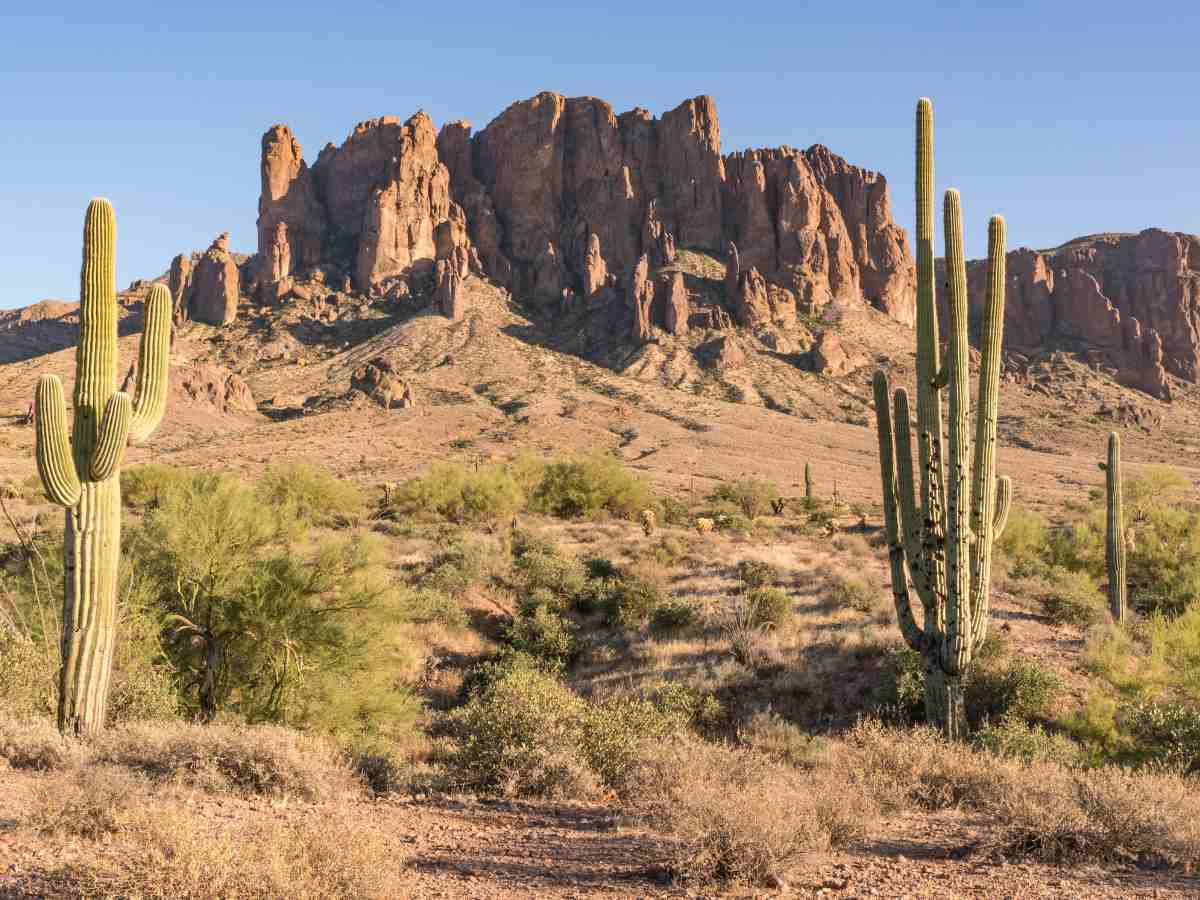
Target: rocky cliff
(1129,301)
(560,197)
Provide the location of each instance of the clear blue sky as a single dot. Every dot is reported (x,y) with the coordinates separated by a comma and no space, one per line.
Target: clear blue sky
(1067,117)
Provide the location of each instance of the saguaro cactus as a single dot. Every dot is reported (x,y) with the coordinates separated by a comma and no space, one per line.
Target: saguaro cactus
(943,547)
(81,472)
(808,481)
(1115,532)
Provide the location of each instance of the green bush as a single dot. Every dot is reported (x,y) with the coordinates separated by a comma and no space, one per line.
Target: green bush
(310,495)
(901,691)
(850,592)
(424,604)
(1024,542)
(524,733)
(673,615)
(1016,687)
(544,635)
(1014,737)
(1166,732)
(459,494)
(1071,597)
(147,484)
(770,606)
(586,486)
(754,573)
(537,569)
(676,512)
(458,568)
(753,498)
(633,601)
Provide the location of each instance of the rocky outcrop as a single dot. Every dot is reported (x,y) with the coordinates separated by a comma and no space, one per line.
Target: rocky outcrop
(1133,298)
(751,303)
(211,385)
(179,283)
(379,381)
(641,296)
(448,293)
(830,356)
(676,308)
(595,272)
(276,281)
(569,172)
(213,290)
(371,207)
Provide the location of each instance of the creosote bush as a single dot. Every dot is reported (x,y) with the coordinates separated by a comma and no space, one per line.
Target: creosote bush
(751,497)
(311,495)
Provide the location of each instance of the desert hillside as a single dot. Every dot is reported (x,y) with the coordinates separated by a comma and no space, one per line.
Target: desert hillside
(515,528)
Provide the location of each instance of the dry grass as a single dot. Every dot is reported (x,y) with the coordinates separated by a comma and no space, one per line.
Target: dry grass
(260,759)
(737,816)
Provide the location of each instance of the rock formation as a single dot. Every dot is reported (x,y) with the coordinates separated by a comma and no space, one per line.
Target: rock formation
(448,292)
(212,292)
(380,382)
(212,385)
(1135,298)
(641,296)
(179,282)
(370,207)
(563,193)
(676,309)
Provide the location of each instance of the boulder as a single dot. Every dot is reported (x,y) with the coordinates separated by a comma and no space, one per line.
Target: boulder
(214,285)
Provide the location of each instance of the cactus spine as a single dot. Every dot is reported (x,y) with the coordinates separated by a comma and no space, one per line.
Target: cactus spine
(808,481)
(943,548)
(1115,536)
(81,472)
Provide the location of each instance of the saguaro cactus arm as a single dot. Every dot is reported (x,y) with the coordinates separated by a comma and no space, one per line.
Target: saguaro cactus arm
(114,435)
(56,466)
(150,395)
(1003,506)
(1115,537)
(891,517)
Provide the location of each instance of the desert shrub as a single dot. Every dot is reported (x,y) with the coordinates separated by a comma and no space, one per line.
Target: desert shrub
(539,568)
(455,492)
(261,759)
(676,512)
(424,604)
(311,495)
(901,690)
(618,733)
(1016,687)
(852,592)
(1103,815)
(587,485)
(633,600)
(771,607)
(739,817)
(769,733)
(458,568)
(668,550)
(741,627)
(545,635)
(1166,732)
(147,484)
(518,736)
(1069,597)
(753,498)
(1014,737)
(673,615)
(35,743)
(601,567)
(28,687)
(755,573)
(1024,544)
(92,802)
(698,708)
(997,686)
(322,853)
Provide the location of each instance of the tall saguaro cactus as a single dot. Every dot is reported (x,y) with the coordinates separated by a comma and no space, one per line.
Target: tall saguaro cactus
(81,471)
(1115,531)
(943,546)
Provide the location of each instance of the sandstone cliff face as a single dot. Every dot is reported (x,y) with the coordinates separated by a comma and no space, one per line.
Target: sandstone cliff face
(560,196)
(605,189)
(1135,298)
(371,206)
